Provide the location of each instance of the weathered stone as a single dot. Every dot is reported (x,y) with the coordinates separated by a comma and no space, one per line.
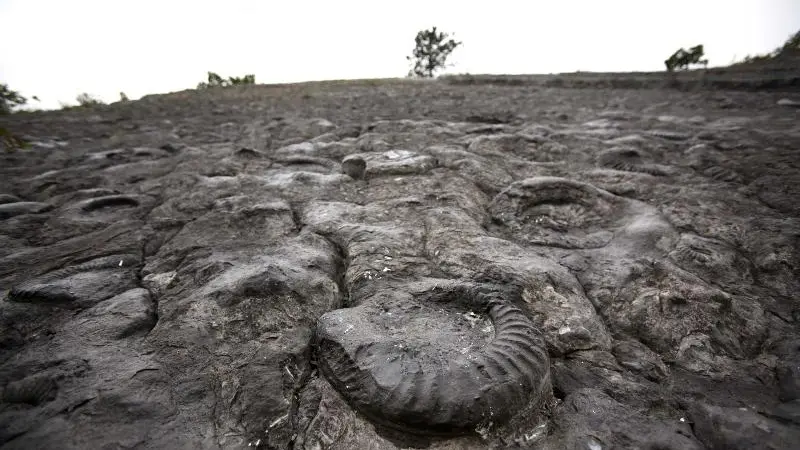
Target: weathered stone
(461,358)
(669,135)
(787,412)
(355,166)
(740,428)
(535,268)
(788,102)
(634,356)
(630,159)
(8,210)
(590,419)
(8,198)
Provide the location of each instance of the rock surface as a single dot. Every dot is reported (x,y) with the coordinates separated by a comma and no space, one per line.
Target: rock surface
(403,265)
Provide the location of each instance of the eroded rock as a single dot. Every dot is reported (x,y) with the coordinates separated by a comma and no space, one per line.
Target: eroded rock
(459,358)
(400,265)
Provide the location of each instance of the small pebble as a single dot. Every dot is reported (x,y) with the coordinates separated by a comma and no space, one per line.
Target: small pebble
(788,102)
(354,166)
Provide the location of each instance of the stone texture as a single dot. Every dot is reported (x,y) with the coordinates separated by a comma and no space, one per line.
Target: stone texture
(355,166)
(458,358)
(740,428)
(403,265)
(788,102)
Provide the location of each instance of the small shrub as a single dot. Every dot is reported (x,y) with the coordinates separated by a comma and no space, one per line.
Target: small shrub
(682,59)
(247,79)
(11,142)
(430,53)
(85,99)
(214,80)
(123,97)
(792,45)
(10,99)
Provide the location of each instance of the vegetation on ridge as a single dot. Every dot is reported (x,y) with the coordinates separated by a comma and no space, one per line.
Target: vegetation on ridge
(10,99)
(215,80)
(682,59)
(85,99)
(430,53)
(791,46)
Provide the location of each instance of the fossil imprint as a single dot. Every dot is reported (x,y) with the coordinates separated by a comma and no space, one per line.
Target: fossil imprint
(421,367)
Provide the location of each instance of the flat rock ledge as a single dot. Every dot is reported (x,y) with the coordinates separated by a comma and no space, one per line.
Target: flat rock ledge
(401,264)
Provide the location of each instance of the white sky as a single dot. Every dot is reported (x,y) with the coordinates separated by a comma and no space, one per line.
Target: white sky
(56,49)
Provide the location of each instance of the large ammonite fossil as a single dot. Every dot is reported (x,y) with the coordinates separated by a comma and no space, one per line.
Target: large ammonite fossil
(446,360)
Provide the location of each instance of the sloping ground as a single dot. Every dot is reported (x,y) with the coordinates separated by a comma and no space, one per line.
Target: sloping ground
(776,74)
(784,61)
(392,264)
(711,79)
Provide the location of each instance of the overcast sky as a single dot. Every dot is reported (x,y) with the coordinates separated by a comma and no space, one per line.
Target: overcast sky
(57,49)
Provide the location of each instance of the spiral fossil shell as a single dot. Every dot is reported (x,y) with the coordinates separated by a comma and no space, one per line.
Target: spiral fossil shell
(558,212)
(407,368)
(629,160)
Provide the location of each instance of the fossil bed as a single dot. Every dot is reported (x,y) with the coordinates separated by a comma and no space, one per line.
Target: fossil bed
(401,264)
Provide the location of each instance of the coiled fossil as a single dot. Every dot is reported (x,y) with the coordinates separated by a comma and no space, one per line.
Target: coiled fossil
(558,212)
(629,160)
(402,366)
